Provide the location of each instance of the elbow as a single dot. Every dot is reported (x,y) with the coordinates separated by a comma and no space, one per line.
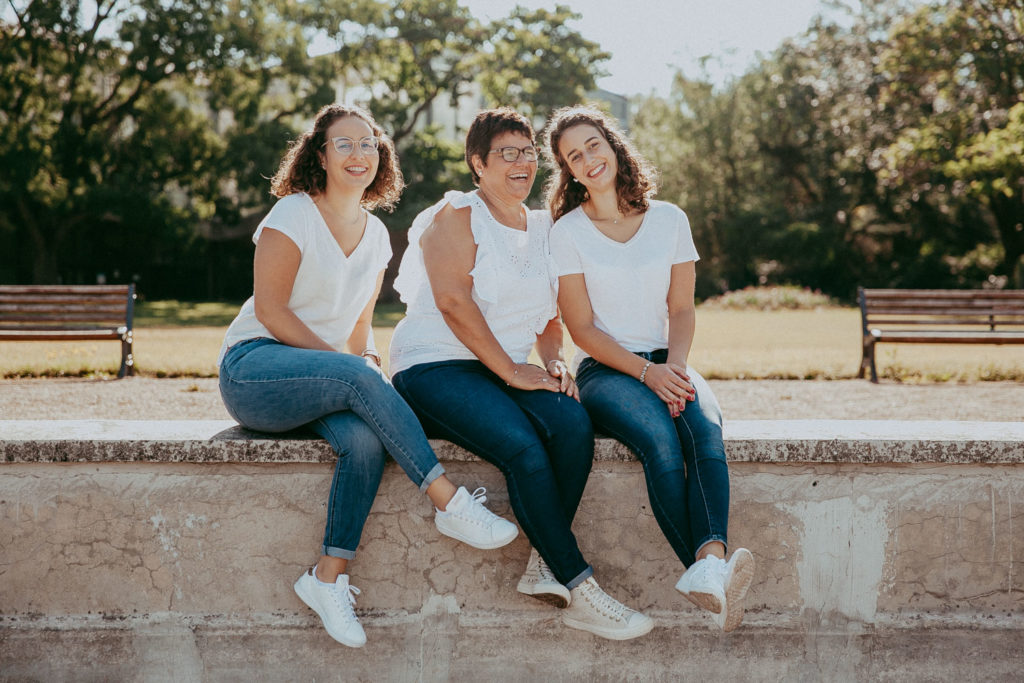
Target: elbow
(266,314)
(449,304)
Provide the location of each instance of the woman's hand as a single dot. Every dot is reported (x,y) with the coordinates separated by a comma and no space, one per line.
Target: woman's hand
(530,378)
(671,384)
(567,385)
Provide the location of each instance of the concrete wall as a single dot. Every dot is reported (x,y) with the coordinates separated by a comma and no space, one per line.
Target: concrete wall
(163,551)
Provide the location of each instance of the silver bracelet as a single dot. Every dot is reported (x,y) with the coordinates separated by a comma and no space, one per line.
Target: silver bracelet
(643,373)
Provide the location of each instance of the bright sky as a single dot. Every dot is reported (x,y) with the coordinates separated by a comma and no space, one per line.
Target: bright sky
(650,39)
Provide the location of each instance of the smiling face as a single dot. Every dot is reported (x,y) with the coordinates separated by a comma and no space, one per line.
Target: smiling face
(355,170)
(509,180)
(589,157)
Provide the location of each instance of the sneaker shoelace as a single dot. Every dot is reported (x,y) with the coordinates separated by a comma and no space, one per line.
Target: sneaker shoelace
(345,600)
(475,511)
(604,603)
(544,571)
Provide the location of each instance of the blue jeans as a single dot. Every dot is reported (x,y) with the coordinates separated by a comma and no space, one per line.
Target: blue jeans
(272,387)
(683,458)
(540,440)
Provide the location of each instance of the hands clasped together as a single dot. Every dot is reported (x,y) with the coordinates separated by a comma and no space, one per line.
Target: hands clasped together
(530,377)
(671,383)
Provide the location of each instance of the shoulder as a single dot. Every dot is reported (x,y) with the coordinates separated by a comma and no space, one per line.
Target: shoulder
(299,203)
(571,220)
(668,214)
(539,216)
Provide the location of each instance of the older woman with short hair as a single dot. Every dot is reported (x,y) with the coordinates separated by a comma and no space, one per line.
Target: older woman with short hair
(626,280)
(480,295)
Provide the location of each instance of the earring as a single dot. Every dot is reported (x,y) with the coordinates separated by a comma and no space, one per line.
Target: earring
(575,180)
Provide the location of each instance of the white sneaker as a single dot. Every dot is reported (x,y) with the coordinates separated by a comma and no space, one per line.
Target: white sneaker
(593,610)
(539,582)
(333,603)
(466,519)
(738,574)
(703,584)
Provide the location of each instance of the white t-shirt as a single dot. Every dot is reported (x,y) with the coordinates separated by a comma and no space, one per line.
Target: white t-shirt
(627,281)
(330,289)
(513,285)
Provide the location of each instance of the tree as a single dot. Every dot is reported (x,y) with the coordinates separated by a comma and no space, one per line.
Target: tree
(135,132)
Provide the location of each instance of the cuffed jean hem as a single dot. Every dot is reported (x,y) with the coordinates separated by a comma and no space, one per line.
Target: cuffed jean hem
(712,539)
(338,552)
(433,475)
(581,577)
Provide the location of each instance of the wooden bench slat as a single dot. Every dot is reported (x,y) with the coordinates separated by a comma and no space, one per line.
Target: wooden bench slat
(79,317)
(58,335)
(872,320)
(119,300)
(953,337)
(68,289)
(946,293)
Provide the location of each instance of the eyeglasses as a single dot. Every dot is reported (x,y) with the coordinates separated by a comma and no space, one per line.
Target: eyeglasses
(511,154)
(345,146)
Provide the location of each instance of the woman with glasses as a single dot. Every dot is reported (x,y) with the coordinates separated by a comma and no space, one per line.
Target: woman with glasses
(480,294)
(626,280)
(301,351)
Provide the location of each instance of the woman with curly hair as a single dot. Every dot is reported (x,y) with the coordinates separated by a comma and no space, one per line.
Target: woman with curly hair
(626,274)
(301,351)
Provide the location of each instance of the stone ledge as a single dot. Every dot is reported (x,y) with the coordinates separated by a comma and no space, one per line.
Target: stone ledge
(506,647)
(765,441)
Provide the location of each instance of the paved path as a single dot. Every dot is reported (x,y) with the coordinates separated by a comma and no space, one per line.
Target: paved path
(198,399)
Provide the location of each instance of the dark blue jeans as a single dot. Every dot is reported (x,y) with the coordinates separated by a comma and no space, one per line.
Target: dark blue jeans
(540,440)
(683,458)
(273,387)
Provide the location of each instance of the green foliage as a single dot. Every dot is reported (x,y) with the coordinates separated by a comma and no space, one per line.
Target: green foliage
(769,299)
(883,151)
(137,136)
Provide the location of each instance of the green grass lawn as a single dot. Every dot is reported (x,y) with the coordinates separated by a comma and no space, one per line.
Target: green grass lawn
(174,339)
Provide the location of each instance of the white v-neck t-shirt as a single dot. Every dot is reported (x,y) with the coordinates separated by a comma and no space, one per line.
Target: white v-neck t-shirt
(627,281)
(330,289)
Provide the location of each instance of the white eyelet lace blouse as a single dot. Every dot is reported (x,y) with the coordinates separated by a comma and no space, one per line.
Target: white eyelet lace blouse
(514,285)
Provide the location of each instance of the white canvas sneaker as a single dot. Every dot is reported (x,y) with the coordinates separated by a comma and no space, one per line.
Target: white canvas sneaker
(703,584)
(333,603)
(466,519)
(540,583)
(593,610)
(738,574)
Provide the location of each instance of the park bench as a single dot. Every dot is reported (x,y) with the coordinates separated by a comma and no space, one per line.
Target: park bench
(938,316)
(69,313)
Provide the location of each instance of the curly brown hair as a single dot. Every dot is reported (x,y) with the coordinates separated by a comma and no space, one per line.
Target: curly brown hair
(635,181)
(302,170)
(487,125)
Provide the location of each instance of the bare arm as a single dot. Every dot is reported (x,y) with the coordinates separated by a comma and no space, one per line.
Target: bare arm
(682,316)
(549,348)
(361,338)
(449,254)
(662,379)
(274,268)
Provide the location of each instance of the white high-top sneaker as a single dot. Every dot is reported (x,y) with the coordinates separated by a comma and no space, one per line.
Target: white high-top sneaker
(540,583)
(593,610)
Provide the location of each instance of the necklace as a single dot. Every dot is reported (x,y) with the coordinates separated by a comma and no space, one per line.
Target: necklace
(615,221)
(323,206)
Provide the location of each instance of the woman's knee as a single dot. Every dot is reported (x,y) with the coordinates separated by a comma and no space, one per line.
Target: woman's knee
(350,437)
